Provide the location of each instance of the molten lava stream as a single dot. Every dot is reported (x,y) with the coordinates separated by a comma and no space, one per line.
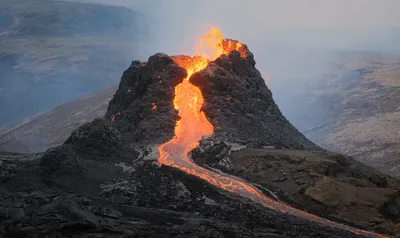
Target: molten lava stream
(193,125)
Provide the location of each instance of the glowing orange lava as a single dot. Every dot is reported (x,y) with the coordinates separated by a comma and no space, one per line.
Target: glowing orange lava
(153,106)
(193,125)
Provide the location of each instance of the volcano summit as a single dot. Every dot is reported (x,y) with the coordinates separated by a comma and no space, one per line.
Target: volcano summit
(186,149)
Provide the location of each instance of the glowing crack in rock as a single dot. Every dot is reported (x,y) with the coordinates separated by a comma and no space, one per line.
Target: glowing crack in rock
(193,125)
(153,106)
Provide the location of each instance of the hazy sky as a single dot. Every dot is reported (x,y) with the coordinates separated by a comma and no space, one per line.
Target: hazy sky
(290,13)
(323,23)
(277,13)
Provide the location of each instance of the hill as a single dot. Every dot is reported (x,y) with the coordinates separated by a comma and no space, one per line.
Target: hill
(60,18)
(51,128)
(61,50)
(361,117)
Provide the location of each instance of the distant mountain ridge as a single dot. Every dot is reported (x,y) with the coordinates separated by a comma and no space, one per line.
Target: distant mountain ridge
(62,50)
(60,18)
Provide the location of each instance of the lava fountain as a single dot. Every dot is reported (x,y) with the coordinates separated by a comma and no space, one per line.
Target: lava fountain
(193,125)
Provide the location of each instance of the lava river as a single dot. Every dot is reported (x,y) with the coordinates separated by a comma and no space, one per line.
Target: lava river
(193,125)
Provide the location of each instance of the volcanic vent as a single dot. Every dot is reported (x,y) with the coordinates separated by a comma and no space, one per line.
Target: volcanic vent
(230,93)
(172,103)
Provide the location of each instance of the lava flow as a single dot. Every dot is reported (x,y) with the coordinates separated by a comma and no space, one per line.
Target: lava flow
(193,125)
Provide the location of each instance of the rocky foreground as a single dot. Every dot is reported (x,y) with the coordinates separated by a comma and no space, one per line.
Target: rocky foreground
(363,116)
(131,198)
(105,181)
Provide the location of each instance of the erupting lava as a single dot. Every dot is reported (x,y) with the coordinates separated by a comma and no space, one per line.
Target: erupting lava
(193,125)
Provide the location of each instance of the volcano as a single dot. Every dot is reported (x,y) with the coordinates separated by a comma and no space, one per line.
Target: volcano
(185,150)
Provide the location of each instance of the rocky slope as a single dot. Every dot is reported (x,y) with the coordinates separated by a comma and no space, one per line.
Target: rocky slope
(241,107)
(361,116)
(323,183)
(54,126)
(104,180)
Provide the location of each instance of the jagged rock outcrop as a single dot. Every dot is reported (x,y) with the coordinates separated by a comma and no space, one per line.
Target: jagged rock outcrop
(96,138)
(86,159)
(142,107)
(59,161)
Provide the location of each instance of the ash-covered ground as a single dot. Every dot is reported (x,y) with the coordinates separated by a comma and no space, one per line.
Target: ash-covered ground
(104,181)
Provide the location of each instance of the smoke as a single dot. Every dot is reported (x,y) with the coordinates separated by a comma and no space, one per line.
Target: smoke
(338,24)
(357,25)
(296,43)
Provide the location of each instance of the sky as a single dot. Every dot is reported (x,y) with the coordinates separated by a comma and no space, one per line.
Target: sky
(338,24)
(275,13)
(288,13)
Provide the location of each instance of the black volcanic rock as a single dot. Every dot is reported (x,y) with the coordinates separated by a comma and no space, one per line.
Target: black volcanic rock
(240,106)
(59,161)
(141,200)
(102,182)
(142,107)
(96,137)
(86,159)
